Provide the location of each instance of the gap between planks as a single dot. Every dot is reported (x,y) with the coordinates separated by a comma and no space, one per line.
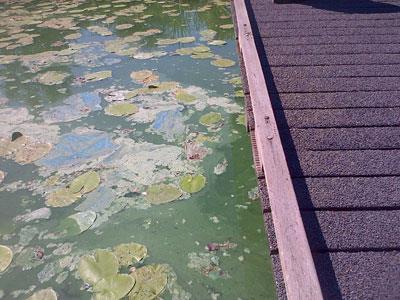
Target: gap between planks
(300,276)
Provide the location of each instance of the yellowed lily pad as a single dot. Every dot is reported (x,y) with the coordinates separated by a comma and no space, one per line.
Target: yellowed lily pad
(217,43)
(73,36)
(162,193)
(97,76)
(85,183)
(192,183)
(121,109)
(226,26)
(123,26)
(144,76)
(202,55)
(183,97)
(45,294)
(223,63)
(51,77)
(6,256)
(210,119)
(153,89)
(151,281)
(129,254)
(61,198)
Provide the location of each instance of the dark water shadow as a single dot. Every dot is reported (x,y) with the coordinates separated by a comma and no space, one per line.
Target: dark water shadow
(348,6)
(325,271)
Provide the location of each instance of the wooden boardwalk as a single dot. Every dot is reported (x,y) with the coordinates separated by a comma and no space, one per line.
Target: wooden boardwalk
(323,107)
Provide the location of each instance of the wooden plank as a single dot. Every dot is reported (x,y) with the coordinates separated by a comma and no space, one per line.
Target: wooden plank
(300,277)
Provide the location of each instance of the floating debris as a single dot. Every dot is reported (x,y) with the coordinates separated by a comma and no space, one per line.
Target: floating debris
(211,119)
(38,214)
(45,294)
(195,151)
(220,168)
(96,76)
(100,30)
(207,264)
(77,223)
(221,246)
(170,124)
(6,256)
(2,176)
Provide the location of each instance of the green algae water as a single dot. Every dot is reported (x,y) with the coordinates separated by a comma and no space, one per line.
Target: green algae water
(125,166)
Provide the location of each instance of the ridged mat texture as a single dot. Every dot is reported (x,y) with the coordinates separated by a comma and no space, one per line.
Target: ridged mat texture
(333,73)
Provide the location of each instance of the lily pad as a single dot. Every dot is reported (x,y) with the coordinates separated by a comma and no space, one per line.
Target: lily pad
(73,36)
(77,223)
(45,294)
(97,76)
(129,254)
(202,55)
(210,119)
(123,26)
(61,198)
(162,193)
(113,287)
(51,78)
(144,76)
(208,35)
(192,184)
(100,30)
(85,183)
(217,43)
(151,281)
(103,264)
(2,176)
(223,63)
(184,97)
(226,26)
(6,256)
(121,109)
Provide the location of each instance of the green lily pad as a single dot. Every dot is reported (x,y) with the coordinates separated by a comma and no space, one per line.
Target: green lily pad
(6,256)
(77,223)
(184,97)
(62,197)
(45,294)
(202,55)
(210,119)
(192,184)
(200,49)
(97,76)
(129,254)
(223,63)
(121,109)
(51,77)
(162,193)
(241,120)
(151,281)
(187,39)
(113,287)
(226,26)
(184,51)
(236,81)
(85,183)
(103,264)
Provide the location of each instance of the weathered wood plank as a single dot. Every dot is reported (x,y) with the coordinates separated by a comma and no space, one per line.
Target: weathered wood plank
(299,272)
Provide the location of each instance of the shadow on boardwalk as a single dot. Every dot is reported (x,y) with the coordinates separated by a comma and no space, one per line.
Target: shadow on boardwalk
(348,7)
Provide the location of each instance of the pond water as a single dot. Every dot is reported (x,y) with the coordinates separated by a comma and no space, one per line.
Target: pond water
(125,166)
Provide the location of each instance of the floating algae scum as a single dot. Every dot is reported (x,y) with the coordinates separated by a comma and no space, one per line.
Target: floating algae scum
(125,163)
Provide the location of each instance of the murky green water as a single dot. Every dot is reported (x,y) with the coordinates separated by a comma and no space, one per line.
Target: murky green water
(121,122)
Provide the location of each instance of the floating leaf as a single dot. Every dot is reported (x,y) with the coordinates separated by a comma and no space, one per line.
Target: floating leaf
(45,294)
(6,256)
(223,63)
(121,109)
(77,223)
(96,76)
(201,49)
(100,30)
(217,43)
(51,77)
(210,119)
(62,197)
(144,76)
(73,36)
(208,35)
(151,281)
(113,287)
(2,176)
(184,97)
(85,183)
(236,81)
(203,55)
(129,254)
(103,264)
(123,26)
(226,26)
(241,120)
(162,193)
(192,184)
(188,39)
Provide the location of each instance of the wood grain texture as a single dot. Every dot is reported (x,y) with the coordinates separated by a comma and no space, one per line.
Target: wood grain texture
(300,277)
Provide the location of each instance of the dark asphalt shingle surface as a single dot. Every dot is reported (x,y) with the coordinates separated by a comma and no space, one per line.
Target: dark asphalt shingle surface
(333,73)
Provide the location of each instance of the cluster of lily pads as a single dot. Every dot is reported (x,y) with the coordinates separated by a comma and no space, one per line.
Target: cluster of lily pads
(102,272)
